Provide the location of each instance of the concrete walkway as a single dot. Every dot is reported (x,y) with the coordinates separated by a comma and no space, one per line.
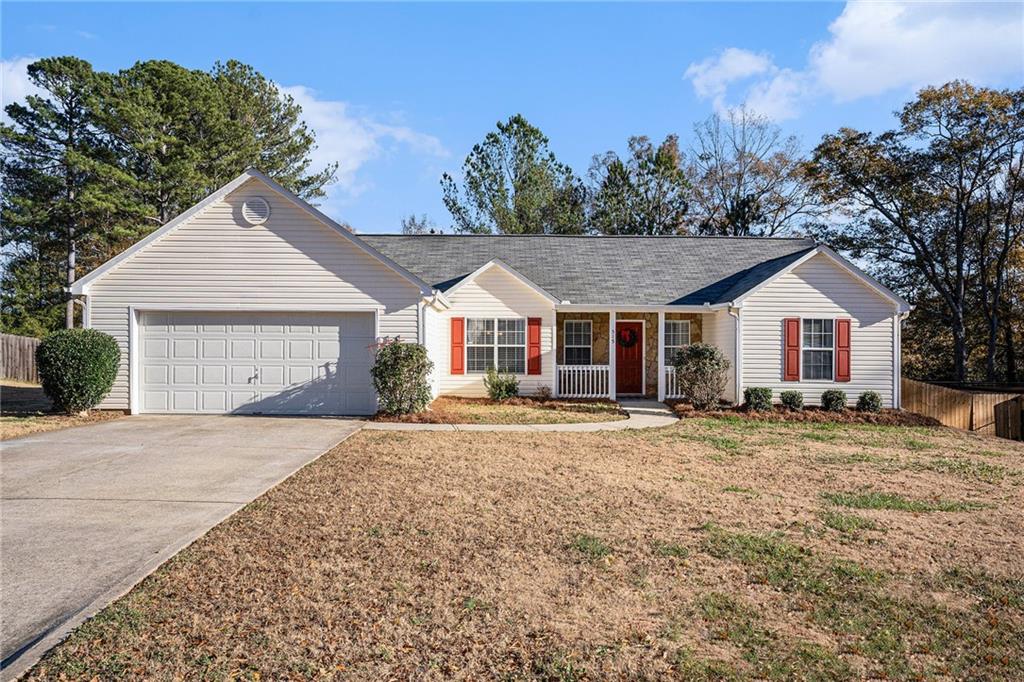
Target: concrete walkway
(90,511)
(643,414)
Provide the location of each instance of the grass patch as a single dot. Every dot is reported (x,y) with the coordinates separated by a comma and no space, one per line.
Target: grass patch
(870,499)
(726,444)
(671,549)
(966,468)
(820,437)
(591,547)
(847,523)
(915,444)
(740,489)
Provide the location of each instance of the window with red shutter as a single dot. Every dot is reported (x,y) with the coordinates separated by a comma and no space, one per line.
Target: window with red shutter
(791,349)
(842,350)
(458,345)
(533,345)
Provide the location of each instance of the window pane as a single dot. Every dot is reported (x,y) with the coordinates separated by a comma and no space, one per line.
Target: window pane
(512,359)
(677,333)
(479,331)
(817,333)
(479,358)
(512,332)
(817,364)
(577,333)
(577,356)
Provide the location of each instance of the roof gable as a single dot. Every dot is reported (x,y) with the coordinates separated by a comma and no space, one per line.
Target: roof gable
(82,285)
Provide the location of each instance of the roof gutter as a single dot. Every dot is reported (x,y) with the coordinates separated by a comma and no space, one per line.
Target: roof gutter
(585,307)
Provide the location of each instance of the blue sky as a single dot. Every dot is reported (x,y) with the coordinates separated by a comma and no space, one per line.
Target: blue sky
(399,93)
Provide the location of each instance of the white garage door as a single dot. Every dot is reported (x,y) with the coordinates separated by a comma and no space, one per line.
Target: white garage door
(257,363)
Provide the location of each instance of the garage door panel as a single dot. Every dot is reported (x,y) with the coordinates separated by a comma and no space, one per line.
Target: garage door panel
(184,348)
(266,363)
(214,349)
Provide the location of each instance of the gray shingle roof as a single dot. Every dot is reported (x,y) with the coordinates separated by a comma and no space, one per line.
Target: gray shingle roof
(603,270)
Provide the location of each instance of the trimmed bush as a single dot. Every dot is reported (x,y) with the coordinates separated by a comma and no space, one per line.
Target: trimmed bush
(794,400)
(501,386)
(400,376)
(833,400)
(701,374)
(77,367)
(758,398)
(869,401)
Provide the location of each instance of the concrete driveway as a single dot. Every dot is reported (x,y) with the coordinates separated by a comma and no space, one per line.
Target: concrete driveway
(85,513)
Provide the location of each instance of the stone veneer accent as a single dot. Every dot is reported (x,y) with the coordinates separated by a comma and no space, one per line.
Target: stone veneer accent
(599,338)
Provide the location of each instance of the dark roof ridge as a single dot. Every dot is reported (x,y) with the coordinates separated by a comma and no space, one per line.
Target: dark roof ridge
(591,236)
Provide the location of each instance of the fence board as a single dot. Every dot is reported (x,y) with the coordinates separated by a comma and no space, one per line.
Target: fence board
(994,414)
(18,359)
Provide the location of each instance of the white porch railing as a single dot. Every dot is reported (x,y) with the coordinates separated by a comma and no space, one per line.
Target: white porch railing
(582,381)
(671,389)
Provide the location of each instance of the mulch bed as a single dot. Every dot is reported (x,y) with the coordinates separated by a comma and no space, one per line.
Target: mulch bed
(814,415)
(444,410)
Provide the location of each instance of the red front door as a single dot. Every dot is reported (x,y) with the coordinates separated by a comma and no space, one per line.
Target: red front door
(629,357)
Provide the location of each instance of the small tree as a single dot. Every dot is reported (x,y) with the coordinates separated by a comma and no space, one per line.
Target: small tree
(400,376)
(701,374)
(77,367)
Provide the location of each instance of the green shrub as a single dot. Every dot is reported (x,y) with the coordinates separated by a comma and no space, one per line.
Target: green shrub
(758,398)
(794,400)
(77,367)
(400,376)
(869,401)
(833,400)
(701,374)
(501,386)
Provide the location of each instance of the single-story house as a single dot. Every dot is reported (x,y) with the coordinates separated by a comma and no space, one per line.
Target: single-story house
(253,301)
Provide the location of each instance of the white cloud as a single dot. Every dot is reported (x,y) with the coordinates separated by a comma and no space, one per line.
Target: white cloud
(876,47)
(873,48)
(351,139)
(712,77)
(15,85)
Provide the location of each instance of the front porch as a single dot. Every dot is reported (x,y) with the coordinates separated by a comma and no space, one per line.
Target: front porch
(621,354)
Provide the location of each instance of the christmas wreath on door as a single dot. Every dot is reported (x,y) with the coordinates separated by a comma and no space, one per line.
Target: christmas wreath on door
(628,337)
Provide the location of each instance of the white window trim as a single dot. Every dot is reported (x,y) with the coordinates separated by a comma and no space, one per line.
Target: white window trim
(689,337)
(831,349)
(495,346)
(565,341)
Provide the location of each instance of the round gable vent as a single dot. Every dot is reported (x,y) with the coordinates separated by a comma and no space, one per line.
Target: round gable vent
(255,210)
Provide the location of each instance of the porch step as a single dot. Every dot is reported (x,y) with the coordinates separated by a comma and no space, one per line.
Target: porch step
(647,408)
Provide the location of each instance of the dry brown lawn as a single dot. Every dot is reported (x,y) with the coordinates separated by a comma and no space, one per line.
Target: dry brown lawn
(446,410)
(25,409)
(712,549)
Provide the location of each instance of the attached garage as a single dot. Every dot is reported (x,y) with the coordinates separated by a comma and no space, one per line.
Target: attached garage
(251,302)
(315,363)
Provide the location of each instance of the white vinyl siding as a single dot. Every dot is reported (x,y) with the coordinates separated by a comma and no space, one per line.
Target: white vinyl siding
(217,260)
(495,295)
(719,329)
(821,290)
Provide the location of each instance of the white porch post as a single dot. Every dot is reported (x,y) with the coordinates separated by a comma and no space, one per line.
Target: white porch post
(661,355)
(611,355)
(554,357)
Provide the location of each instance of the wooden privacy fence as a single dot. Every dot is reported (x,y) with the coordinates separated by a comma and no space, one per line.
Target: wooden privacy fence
(994,414)
(18,357)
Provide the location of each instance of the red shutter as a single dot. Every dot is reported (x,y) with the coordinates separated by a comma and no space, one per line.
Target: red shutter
(791,349)
(533,345)
(842,350)
(458,345)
